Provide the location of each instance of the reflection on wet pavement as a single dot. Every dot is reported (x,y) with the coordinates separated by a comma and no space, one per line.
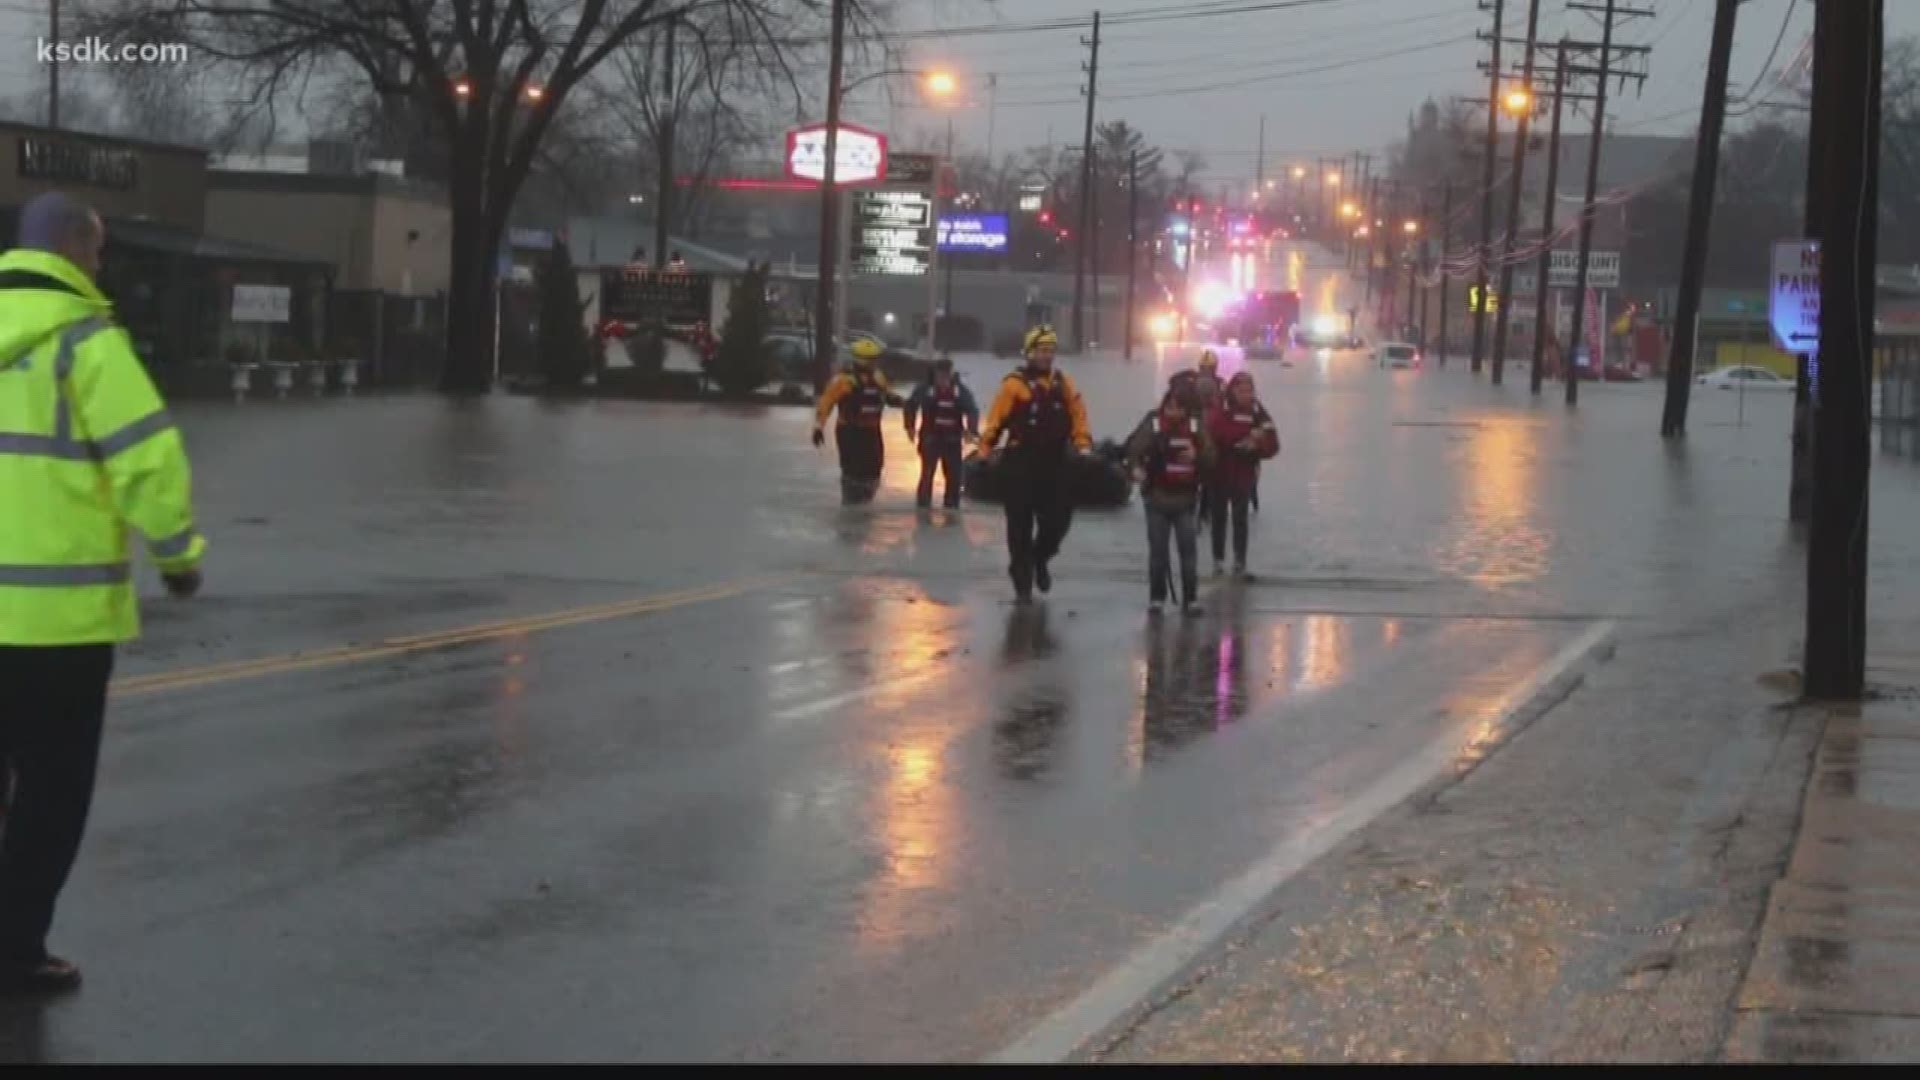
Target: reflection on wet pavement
(872,812)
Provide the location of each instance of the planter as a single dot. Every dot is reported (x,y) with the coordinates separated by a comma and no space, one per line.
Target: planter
(243,380)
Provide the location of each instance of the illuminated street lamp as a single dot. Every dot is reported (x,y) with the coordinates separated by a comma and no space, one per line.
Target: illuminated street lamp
(1411,226)
(1299,172)
(1348,210)
(942,84)
(1518,101)
(1333,179)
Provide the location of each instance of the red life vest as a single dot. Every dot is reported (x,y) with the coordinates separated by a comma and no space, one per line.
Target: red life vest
(1041,421)
(943,417)
(1235,423)
(864,404)
(1177,465)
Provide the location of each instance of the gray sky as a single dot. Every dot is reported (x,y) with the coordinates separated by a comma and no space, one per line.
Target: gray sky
(1330,76)
(1319,73)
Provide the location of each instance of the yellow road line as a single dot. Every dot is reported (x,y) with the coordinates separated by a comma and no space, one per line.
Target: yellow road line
(286,663)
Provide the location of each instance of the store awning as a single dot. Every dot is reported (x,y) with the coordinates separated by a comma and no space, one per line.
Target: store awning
(172,240)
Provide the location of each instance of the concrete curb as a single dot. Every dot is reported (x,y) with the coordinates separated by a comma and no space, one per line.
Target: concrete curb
(1129,992)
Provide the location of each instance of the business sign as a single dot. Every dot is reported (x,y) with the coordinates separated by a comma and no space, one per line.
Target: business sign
(262,303)
(860,156)
(1793,296)
(1031,202)
(530,239)
(643,296)
(973,232)
(892,232)
(1603,269)
(63,162)
(911,170)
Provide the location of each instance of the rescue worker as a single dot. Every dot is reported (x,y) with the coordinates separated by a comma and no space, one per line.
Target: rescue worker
(1206,382)
(861,393)
(1045,421)
(86,452)
(1207,390)
(1169,452)
(1244,435)
(946,417)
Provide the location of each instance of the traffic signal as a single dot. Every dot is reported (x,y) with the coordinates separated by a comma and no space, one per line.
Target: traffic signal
(1046,217)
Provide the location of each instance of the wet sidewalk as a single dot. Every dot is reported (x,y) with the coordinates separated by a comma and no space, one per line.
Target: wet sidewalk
(1836,974)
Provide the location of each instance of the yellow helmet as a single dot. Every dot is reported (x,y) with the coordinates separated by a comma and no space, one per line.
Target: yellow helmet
(1037,337)
(1209,359)
(866,349)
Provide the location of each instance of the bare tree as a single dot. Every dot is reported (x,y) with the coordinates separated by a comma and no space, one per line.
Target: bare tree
(709,110)
(492,75)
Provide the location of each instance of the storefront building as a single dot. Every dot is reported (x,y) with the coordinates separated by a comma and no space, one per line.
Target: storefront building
(172,285)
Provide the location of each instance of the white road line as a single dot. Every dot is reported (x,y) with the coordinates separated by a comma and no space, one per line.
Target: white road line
(1123,991)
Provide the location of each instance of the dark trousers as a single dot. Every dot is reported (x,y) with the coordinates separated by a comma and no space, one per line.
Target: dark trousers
(1220,502)
(54,702)
(945,456)
(1039,508)
(1179,522)
(862,456)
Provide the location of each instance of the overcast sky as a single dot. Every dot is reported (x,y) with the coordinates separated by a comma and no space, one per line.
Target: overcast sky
(1330,76)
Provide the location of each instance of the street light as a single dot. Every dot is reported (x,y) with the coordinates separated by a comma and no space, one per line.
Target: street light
(1518,101)
(1411,226)
(937,82)
(1333,179)
(1299,172)
(1347,210)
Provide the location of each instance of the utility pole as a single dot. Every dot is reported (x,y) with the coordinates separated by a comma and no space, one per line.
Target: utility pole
(1502,321)
(1693,264)
(1086,194)
(1412,255)
(1446,239)
(1800,486)
(1260,158)
(663,198)
(1587,209)
(1371,208)
(1836,635)
(993,109)
(53,69)
(1544,273)
(824,277)
(1133,247)
(946,310)
(1486,187)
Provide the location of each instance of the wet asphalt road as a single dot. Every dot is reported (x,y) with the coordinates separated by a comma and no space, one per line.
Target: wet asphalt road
(518,730)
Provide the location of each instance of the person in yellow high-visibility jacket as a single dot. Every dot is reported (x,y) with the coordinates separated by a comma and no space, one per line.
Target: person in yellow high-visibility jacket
(87,451)
(1041,413)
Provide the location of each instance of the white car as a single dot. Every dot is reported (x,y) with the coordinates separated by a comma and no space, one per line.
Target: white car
(1398,354)
(1745,377)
